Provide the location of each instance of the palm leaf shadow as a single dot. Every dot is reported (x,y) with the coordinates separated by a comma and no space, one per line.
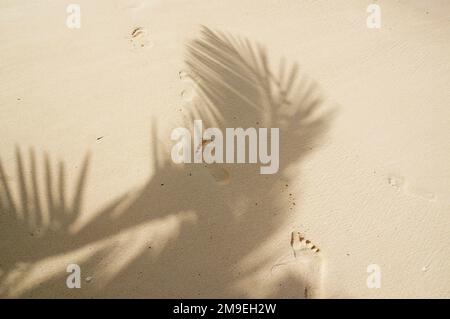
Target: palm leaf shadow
(36,224)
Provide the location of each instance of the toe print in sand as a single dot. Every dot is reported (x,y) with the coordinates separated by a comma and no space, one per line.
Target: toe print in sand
(304,267)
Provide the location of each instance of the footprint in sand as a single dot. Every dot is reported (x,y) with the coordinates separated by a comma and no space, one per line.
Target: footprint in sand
(401,184)
(219,173)
(189,91)
(140,38)
(299,274)
(396,181)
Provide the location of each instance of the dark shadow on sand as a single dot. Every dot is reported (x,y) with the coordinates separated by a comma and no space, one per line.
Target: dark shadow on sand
(225,212)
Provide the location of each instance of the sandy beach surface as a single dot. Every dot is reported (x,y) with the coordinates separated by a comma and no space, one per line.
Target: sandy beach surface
(360,205)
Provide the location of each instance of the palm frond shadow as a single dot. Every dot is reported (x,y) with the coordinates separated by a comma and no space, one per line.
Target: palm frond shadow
(36,224)
(238,88)
(224,213)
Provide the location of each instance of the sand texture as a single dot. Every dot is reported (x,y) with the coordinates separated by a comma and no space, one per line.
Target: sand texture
(86,175)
